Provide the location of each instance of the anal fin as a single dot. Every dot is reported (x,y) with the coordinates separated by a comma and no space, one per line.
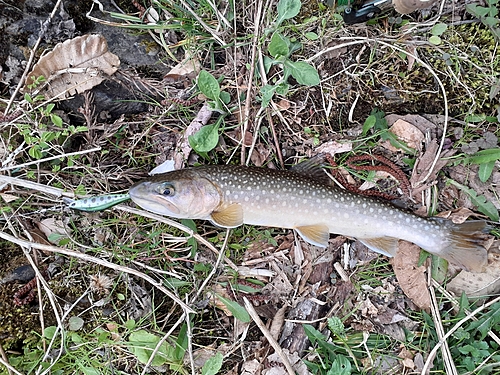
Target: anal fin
(228,217)
(383,245)
(317,234)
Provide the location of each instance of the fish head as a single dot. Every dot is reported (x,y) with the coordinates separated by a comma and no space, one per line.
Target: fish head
(180,194)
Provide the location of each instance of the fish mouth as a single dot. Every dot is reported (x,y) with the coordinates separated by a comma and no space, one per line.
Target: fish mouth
(144,198)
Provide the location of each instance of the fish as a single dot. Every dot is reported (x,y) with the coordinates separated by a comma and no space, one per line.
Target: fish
(299,199)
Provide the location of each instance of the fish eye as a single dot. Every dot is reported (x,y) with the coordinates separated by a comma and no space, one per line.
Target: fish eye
(166,190)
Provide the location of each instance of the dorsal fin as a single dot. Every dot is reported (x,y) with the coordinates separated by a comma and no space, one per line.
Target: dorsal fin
(228,217)
(312,168)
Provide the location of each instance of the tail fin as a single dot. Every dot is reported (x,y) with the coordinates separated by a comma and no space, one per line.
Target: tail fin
(466,248)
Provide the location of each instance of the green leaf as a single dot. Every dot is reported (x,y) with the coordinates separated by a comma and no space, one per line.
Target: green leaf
(142,343)
(304,73)
(56,120)
(212,365)
(208,85)
(287,9)
(313,334)
(484,156)
(485,170)
(439,29)
(484,206)
(435,40)
(475,118)
(75,323)
(49,332)
(238,311)
(279,45)
(476,10)
(35,152)
(267,93)
(340,366)
(490,21)
(311,36)
(205,139)
(181,344)
(369,123)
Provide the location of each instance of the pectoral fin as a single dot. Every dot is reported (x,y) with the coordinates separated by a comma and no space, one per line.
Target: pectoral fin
(317,234)
(228,217)
(383,245)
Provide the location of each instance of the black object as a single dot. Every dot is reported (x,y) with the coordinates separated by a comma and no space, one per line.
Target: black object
(366,12)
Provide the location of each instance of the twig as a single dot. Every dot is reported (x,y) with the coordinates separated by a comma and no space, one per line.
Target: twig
(277,348)
(445,349)
(82,152)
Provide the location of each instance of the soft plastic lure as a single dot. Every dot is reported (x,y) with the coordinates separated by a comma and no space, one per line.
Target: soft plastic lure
(97,203)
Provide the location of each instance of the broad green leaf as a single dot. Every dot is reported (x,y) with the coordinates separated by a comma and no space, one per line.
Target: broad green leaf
(238,311)
(208,85)
(313,334)
(267,93)
(485,170)
(49,332)
(311,36)
(477,10)
(483,206)
(287,9)
(205,139)
(304,73)
(212,365)
(142,343)
(369,123)
(340,366)
(484,156)
(438,29)
(475,118)
(278,45)
(181,344)
(435,40)
(75,323)
(490,21)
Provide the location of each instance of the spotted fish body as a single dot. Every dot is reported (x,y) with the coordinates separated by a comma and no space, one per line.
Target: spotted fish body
(232,195)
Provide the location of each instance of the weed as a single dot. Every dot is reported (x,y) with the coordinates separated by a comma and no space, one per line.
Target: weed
(281,48)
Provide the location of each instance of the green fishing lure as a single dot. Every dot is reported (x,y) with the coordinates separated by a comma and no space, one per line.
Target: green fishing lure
(97,203)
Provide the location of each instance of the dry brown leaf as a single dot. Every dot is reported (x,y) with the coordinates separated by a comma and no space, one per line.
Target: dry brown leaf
(423,165)
(478,284)
(334,147)
(411,278)
(458,216)
(74,66)
(189,68)
(406,132)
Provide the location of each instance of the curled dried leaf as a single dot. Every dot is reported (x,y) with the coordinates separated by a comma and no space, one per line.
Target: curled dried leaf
(74,66)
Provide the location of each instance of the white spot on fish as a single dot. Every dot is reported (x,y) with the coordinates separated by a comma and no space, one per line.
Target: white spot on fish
(228,192)
(407,220)
(337,205)
(346,215)
(328,200)
(246,199)
(371,209)
(364,205)
(283,204)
